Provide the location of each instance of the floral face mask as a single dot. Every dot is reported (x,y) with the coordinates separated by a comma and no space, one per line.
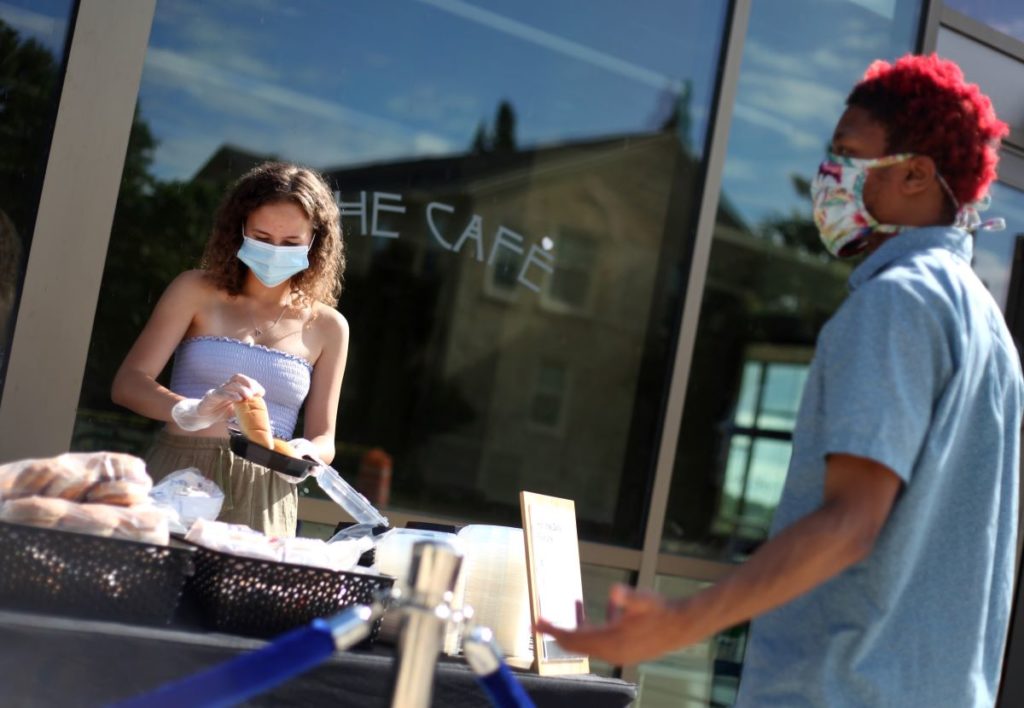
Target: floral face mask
(843,220)
(838,195)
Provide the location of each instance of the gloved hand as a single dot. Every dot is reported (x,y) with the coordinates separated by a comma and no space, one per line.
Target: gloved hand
(305,449)
(199,413)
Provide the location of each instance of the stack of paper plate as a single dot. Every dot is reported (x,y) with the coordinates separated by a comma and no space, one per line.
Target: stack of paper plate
(494,569)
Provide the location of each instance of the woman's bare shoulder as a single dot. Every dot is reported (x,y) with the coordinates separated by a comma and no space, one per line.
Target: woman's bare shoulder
(329,322)
(192,284)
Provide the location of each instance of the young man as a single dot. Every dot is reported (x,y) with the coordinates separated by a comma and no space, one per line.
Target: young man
(889,576)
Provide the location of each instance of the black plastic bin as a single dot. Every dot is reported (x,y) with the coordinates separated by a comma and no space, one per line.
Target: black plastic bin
(262,598)
(92,577)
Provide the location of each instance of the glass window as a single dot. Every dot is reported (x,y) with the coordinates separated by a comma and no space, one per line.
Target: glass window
(517,182)
(570,287)
(705,674)
(1000,76)
(33,34)
(549,394)
(758,443)
(770,285)
(597,581)
(1006,16)
(993,250)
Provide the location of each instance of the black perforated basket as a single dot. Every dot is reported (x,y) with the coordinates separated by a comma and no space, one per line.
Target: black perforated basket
(66,573)
(261,598)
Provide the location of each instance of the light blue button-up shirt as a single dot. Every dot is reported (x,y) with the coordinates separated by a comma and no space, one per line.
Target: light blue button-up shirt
(918,372)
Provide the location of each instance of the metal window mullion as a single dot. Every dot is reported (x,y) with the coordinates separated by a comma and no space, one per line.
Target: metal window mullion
(694,292)
(942,16)
(929,35)
(69,243)
(707,214)
(980,32)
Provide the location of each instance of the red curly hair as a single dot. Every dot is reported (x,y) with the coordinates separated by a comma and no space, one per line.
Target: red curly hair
(928,108)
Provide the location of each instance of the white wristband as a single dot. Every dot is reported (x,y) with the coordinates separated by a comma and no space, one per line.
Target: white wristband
(186,414)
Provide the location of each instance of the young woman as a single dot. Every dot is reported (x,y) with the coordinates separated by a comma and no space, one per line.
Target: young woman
(257,319)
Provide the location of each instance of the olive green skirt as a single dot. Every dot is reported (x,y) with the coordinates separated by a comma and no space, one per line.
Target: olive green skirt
(253,495)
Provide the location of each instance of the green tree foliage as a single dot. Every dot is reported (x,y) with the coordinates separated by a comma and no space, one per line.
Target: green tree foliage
(159,230)
(501,138)
(29,75)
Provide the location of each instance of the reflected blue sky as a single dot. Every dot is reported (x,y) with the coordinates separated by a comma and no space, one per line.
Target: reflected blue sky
(1006,16)
(800,61)
(333,84)
(46,21)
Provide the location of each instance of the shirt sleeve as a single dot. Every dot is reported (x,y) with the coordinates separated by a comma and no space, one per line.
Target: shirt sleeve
(887,358)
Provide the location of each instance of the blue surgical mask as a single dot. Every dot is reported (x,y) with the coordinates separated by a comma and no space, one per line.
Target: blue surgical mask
(273,264)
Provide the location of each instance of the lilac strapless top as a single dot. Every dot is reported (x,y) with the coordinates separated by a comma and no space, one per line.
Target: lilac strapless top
(202,363)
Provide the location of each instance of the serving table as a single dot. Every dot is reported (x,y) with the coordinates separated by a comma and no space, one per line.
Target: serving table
(49,661)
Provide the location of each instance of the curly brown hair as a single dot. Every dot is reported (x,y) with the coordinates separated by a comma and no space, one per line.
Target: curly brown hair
(268,183)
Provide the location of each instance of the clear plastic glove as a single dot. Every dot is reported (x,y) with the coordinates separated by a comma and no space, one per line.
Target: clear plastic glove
(199,413)
(306,448)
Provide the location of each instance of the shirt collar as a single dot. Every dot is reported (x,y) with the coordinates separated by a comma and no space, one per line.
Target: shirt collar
(955,240)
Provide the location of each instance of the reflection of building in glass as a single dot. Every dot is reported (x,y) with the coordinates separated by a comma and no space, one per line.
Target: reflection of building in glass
(478,384)
(758,441)
(486,374)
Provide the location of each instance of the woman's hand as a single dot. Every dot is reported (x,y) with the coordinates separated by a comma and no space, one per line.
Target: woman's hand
(216,405)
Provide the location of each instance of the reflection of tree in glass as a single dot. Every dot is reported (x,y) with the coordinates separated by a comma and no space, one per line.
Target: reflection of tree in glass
(673,113)
(501,137)
(773,284)
(159,231)
(28,79)
(797,230)
(10,260)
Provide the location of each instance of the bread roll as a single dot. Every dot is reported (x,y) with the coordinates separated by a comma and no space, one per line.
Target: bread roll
(70,486)
(93,519)
(141,523)
(284,448)
(114,466)
(138,523)
(254,421)
(72,475)
(35,511)
(33,478)
(118,493)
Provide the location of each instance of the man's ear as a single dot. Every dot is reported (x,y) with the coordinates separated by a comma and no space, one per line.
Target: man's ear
(919,176)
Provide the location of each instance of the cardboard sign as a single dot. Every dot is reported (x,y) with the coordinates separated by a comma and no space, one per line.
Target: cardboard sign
(553,577)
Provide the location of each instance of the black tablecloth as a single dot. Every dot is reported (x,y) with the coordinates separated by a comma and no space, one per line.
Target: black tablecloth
(49,661)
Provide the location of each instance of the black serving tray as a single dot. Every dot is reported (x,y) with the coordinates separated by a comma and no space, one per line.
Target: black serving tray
(276,461)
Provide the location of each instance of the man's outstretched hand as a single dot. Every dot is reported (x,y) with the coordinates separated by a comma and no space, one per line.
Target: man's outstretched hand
(641,625)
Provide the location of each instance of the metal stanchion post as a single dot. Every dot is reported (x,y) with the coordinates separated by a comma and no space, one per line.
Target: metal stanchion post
(426,610)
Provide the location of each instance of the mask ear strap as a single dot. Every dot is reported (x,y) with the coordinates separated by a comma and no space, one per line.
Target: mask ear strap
(949,192)
(969,219)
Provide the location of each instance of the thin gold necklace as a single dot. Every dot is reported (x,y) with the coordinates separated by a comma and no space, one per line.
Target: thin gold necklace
(257,332)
